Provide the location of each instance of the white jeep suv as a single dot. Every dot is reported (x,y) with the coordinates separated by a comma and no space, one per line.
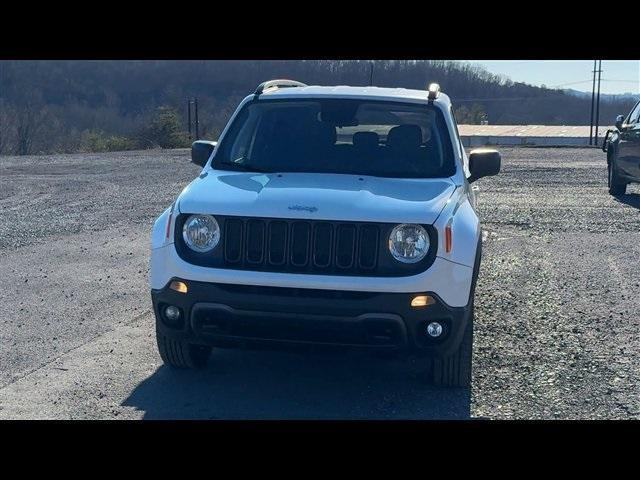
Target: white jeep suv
(335,216)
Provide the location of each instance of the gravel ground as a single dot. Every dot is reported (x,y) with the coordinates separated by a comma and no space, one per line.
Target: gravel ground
(556,320)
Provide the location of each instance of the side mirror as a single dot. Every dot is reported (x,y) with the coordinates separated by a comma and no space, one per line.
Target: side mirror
(483,162)
(619,121)
(201,150)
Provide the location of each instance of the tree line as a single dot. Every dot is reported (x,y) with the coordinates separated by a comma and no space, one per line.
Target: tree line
(70,106)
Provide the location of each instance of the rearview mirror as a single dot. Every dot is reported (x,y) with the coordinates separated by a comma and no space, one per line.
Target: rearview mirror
(201,150)
(619,121)
(483,162)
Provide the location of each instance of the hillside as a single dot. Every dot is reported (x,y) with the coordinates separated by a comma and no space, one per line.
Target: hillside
(67,106)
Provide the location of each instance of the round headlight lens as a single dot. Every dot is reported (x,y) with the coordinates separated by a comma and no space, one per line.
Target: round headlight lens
(201,233)
(409,243)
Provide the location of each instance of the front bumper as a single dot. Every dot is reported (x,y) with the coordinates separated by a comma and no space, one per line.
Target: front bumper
(227,315)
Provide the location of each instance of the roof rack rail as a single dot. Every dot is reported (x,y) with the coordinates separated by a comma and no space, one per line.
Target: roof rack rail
(281,83)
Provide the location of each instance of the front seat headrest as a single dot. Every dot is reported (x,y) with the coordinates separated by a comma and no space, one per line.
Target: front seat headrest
(366,140)
(405,136)
(324,134)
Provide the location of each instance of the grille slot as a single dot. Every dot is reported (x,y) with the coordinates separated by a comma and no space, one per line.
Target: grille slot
(256,235)
(322,245)
(233,241)
(368,247)
(300,243)
(277,250)
(345,246)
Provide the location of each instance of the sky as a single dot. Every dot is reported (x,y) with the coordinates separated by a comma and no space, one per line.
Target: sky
(618,76)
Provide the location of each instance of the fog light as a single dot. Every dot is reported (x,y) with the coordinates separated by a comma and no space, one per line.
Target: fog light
(172,313)
(434,329)
(422,301)
(178,286)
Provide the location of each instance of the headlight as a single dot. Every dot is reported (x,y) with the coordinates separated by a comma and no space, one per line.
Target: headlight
(201,233)
(408,243)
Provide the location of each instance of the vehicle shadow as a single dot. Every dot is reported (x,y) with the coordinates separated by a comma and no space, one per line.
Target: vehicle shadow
(631,199)
(241,384)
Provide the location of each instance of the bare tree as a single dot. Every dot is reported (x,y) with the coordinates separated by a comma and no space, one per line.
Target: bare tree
(4,128)
(3,133)
(29,120)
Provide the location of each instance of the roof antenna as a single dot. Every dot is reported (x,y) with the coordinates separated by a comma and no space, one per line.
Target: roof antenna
(371,75)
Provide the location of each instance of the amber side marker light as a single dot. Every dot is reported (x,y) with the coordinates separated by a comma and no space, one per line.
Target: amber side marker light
(422,301)
(448,239)
(178,286)
(169,220)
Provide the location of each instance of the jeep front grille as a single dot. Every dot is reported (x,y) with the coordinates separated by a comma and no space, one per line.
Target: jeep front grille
(300,245)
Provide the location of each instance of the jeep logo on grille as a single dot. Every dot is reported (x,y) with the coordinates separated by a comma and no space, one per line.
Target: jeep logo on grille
(303,208)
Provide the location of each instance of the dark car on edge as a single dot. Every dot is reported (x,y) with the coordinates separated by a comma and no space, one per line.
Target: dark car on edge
(622,146)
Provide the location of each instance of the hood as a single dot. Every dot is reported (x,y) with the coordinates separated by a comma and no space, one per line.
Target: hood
(317,196)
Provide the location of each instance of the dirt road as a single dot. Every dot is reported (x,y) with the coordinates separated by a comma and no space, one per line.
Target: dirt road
(557,322)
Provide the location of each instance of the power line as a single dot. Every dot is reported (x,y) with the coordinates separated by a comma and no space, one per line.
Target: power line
(500,99)
(618,80)
(604,80)
(570,83)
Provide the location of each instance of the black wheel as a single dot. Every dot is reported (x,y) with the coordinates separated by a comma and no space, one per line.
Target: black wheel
(454,370)
(617,186)
(180,354)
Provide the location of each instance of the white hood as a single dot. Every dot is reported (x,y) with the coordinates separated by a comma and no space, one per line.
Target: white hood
(317,196)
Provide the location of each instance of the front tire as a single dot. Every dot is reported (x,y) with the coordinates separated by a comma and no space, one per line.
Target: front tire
(454,370)
(617,186)
(182,355)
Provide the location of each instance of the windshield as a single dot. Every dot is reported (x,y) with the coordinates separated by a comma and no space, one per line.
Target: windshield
(386,139)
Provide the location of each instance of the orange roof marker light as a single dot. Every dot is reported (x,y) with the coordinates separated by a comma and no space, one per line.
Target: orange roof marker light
(434,90)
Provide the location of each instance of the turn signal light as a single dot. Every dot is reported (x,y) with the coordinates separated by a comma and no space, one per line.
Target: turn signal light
(178,286)
(448,239)
(422,301)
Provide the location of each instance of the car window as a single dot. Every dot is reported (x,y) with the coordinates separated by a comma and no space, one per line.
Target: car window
(633,116)
(386,139)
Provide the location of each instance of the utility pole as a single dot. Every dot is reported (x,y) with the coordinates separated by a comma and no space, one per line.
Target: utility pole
(189,117)
(195,102)
(598,101)
(593,95)
(371,75)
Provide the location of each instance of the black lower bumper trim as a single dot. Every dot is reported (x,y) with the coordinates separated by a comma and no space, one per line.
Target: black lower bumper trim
(366,329)
(237,315)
